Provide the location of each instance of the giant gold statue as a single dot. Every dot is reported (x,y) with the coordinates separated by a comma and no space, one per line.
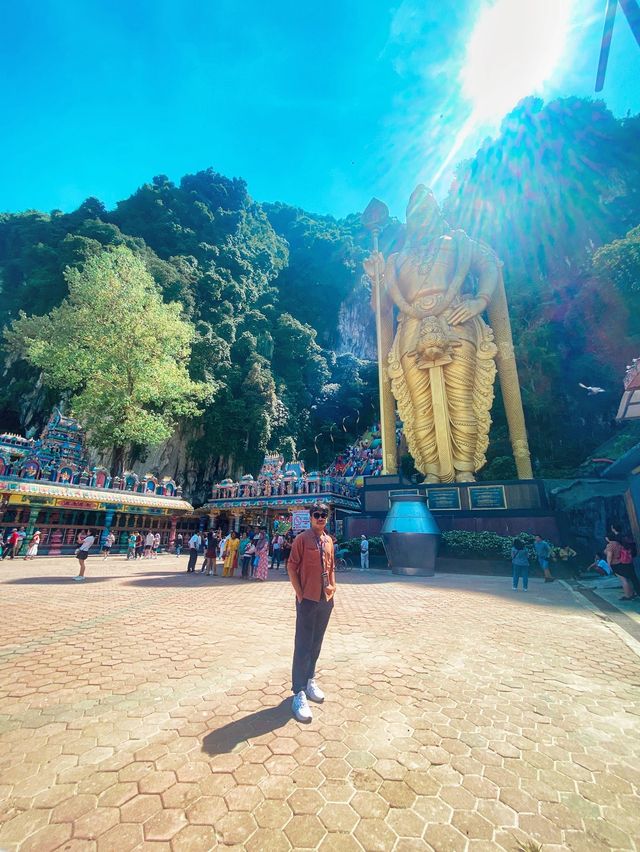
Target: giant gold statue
(442,362)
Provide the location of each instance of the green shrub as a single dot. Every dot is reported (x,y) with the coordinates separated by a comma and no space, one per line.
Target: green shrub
(481,545)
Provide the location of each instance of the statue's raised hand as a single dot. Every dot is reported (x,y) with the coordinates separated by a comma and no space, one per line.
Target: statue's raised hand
(466,310)
(374,265)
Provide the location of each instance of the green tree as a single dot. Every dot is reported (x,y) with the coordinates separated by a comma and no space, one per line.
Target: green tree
(119,350)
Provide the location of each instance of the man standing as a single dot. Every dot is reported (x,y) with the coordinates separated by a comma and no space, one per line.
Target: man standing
(364,553)
(17,547)
(311,570)
(194,547)
(277,551)
(543,552)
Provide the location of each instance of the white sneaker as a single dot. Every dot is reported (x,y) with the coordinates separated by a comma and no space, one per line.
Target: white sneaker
(300,707)
(78,579)
(314,693)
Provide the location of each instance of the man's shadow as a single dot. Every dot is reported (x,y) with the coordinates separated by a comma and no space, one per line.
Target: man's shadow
(225,739)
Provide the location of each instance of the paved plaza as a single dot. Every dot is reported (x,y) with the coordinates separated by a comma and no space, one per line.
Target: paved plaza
(149,709)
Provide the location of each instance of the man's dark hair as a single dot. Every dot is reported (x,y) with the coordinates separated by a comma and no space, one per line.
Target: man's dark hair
(320,507)
(518,544)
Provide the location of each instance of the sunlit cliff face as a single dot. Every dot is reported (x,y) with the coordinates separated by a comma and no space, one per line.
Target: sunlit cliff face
(424,219)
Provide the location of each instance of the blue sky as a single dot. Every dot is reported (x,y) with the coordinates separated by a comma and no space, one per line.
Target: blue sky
(318,105)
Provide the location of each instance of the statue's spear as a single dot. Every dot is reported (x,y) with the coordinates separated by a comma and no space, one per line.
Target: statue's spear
(374,218)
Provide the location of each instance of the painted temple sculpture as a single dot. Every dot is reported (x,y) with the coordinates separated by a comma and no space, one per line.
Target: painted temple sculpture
(60,455)
(48,482)
(441,364)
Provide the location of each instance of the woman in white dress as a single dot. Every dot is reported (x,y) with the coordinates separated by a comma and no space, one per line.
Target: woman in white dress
(32,552)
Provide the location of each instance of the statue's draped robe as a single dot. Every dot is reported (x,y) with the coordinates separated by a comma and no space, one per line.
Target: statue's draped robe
(445,402)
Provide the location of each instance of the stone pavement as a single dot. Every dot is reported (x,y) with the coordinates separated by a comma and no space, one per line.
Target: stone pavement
(149,709)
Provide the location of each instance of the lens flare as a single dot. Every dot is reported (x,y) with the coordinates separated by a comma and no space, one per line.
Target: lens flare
(515,48)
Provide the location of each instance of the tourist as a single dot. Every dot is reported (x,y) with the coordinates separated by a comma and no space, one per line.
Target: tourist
(520,564)
(17,546)
(543,554)
(276,553)
(10,544)
(82,552)
(2,544)
(261,558)
(179,542)
(231,555)
(139,546)
(567,556)
(194,546)
(600,565)
(131,545)
(621,562)
(156,545)
(286,548)
(148,545)
(32,552)
(211,553)
(108,544)
(222,544)
(364,553)
(311,570)
(247,552)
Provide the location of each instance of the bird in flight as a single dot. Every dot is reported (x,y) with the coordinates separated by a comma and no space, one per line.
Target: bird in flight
(591,391)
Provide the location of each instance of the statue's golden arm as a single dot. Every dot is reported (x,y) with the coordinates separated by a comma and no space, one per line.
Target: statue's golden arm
(487,267)
(393,291)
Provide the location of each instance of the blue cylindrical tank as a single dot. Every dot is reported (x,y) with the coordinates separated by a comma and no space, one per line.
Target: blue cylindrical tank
(411,536)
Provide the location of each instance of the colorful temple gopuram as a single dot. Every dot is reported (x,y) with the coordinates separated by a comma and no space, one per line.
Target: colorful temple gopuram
(47,484)
(281,490)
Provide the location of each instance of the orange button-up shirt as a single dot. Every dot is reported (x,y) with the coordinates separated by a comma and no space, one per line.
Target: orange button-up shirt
(304,560)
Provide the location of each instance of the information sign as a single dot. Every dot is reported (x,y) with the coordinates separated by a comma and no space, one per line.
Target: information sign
(487,497)
(443,498)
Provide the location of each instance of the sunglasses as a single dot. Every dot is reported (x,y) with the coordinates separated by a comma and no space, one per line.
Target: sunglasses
(318,515)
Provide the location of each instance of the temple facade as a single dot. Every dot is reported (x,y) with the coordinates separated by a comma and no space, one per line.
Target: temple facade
(47,484)
(280,490)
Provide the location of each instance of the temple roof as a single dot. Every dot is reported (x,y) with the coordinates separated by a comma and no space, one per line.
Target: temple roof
(39,488)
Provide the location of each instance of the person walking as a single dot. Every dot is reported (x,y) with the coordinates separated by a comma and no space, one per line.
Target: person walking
(311,570)
(194,546)
(34,543)
(148,545)
(179,543)
(17,537)
(543,554)
(139,546)
(520,564)
(364,553)
(108,544)
(156,545)
(10,544)
(82,552)
(131,545)
(261,559)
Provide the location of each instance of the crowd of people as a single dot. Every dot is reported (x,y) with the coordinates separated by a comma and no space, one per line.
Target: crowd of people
(251,552)
(615,559)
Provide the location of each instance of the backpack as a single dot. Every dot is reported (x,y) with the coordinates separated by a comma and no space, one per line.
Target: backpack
(625,555)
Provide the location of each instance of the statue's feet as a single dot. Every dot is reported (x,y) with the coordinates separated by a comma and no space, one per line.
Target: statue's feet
(432,479)
(464,476)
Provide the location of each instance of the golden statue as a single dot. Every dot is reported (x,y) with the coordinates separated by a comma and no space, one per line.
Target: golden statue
(442,363)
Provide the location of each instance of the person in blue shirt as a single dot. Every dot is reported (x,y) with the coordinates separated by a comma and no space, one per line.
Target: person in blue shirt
(520,564)
(543,552)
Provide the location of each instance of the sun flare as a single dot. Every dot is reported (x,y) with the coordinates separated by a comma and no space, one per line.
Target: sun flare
(515,48)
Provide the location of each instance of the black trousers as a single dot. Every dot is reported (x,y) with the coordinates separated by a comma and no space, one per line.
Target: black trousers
(193,558)
(312,618)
